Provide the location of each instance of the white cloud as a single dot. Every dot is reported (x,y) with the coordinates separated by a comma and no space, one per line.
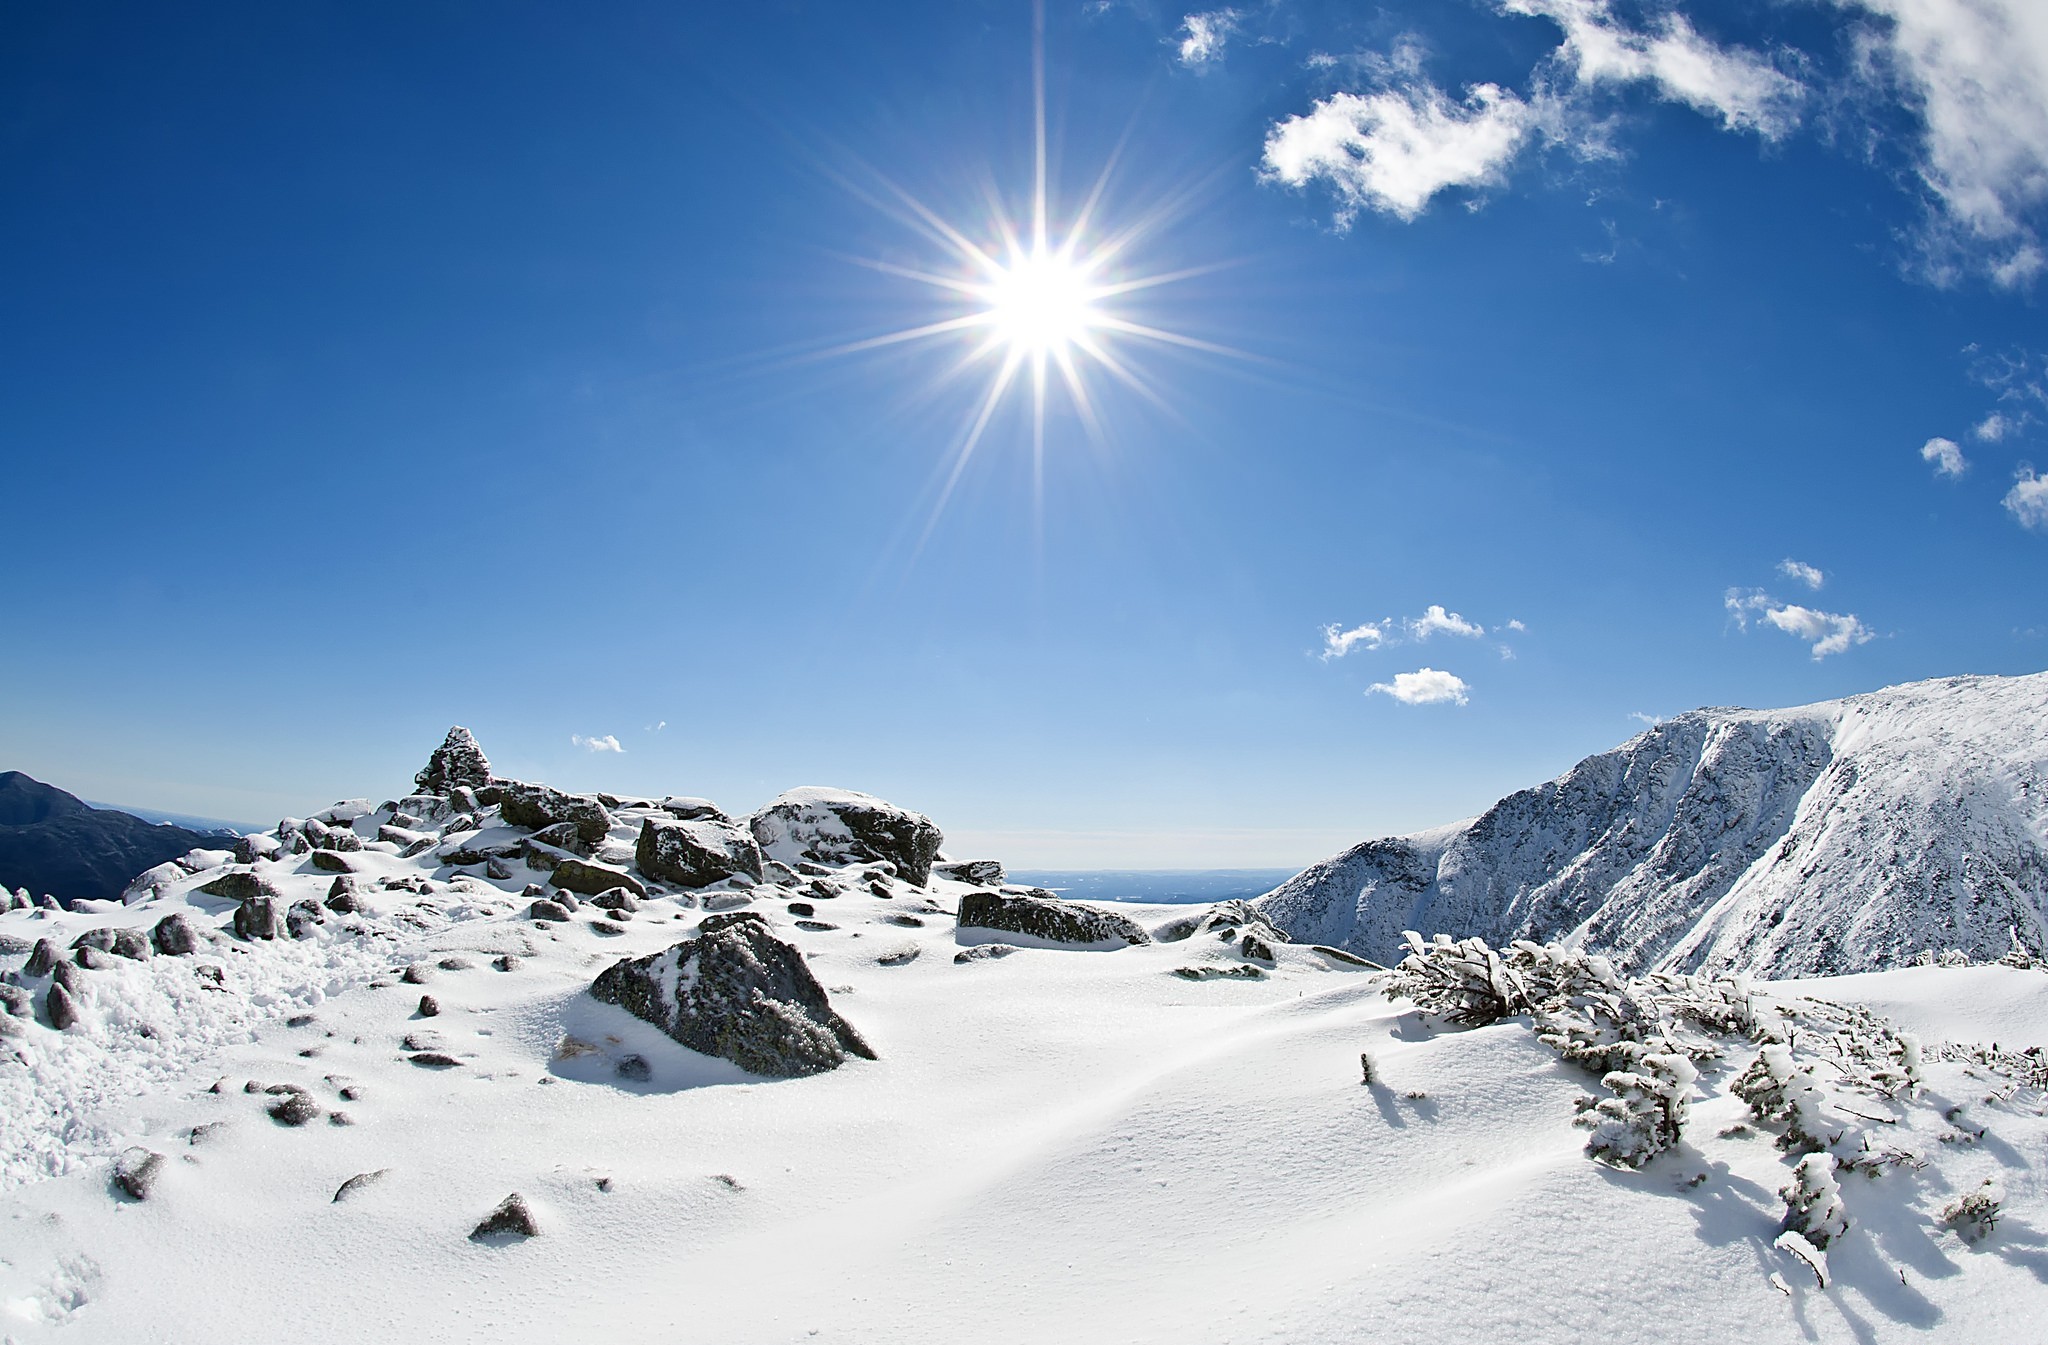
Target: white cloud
(1649,721)
(1809,575)
(1392,151)
(1516,626)
(1976,71)
(1338,642)
(1424,686)
(605,744)
(1827,632)
(1993,428)
(1738,87)
(1435,619)
(2027,501)
(1947,458)
(1206,35)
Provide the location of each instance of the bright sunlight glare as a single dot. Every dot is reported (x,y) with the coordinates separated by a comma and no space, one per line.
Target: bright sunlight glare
(1040,302)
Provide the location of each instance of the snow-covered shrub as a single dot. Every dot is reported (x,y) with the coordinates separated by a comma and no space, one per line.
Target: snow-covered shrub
(1954,957)
(1779,1089)
(1647,1113)
(1974,1215)
(1813,1202)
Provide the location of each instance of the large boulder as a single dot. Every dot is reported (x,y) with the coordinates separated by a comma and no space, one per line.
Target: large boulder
(1044,916)
(736,991)
(538,806)
(589,878)
(980,872)
(695,853)
(838,826)
(237,886)
(456,762)
(128,943)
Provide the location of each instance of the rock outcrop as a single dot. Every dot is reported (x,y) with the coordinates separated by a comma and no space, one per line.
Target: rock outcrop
(1043,916)
(696,853)
(457,762)
(737,992)
(837,826)
(537,807)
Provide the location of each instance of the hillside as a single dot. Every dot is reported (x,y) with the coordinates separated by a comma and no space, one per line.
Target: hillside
(53,842)
(1845,836)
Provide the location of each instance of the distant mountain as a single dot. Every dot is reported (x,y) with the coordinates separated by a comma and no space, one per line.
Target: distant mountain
(1838,837)
(54,842)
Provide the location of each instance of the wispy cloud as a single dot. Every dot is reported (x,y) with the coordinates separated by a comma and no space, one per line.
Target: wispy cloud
(1648,721)
(1388,631)
(1826,632)
(1424,686)
(1205,35)
(1435,620)
(1809,575)
(1393,150)
(1945,455)
(1337,642)
(1993,428)
(1976,73)
(607,743)
(2027,501)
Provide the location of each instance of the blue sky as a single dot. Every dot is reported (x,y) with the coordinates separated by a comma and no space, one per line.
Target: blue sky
(374,367)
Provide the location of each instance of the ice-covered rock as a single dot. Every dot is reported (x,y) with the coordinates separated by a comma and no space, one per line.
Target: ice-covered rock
(838,826)
(1043,916)
(736,991)
(696,853)
(458,761)
(1838,837)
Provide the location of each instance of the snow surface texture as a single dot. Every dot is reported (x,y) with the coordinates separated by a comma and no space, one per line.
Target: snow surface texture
(1839,837)
(1053,1144)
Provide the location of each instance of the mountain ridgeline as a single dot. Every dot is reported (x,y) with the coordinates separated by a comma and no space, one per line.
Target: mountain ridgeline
(1845,836)
(54,842)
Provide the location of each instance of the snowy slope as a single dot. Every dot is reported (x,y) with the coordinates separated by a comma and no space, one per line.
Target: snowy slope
(1844,836)
(1054,1144)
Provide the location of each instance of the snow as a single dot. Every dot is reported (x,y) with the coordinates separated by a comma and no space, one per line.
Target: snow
(1055,1145)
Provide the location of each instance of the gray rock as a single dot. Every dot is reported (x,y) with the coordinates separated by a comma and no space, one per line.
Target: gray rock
(294,1106)
(66,975)
(331,862)
(1226,920)
(635,1069)
(249,849)
(41,959)
(136,1172)
(497,868)
(342,897)
(591,878)
(738,992)
(983,952)
(434,1060)
(323,837)
(980,872)
(1253,946)
(237,886)
(16,1001)
(841,827)
(359,1183)
(692,810)
(59,1007)
(565,836)
(256,918)
(92,959)
(537,806)
(457,761)
(902,957)
(174,936)
(544,909)
(416,973)
(510,961)
(802,908)
(304,918)
(512,1219)
(615,899)
(1043,916)
(429,1007)
(696,853)
(129,943)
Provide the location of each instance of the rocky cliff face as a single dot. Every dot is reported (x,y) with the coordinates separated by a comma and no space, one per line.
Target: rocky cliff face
(1844,836)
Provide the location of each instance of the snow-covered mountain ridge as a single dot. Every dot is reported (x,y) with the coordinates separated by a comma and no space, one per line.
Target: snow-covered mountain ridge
(1844,836)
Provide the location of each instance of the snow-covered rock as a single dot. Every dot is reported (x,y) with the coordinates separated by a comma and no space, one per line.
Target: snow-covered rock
(696,853)
(1838,837)
(1040,915)
(839,826)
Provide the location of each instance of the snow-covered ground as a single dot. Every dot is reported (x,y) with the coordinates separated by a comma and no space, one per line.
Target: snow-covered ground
(1052,1145)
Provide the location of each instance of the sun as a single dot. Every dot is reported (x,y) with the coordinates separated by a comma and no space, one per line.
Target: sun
(1041,302)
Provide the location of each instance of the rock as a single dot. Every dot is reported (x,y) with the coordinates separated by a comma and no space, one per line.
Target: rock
(738,992)
(249,849)
(906,921)
(455,962)
(342,898)
(692,810)
(537,806)
(497,868)
(508,961)
(727,901)
(1046,917)
(1255,947)
(456,762)
(419,847)
(136,1171)
(434,1060)
(304,918)
(92,959)
(980,872)
(41,958)
(1226,920)
(816,926)
(842,827)
(615,899)
(323,837)
(1240,972)
(429,1007)
(331,862)
(66,975)
(983,952)
(60,1008)
(256,918)
(775,871)
(548,910)
(174,936)
(635,1069)
(294,1106)
(359,1183)
(564,836)
(237,886)
(340,1118)
(207,1131)
(398,835)
(423,1040)
(510,1220)
(16,1001)
(904,956)
(590,878)
(416,973)
(802,908)
(696,853)
(132,944)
